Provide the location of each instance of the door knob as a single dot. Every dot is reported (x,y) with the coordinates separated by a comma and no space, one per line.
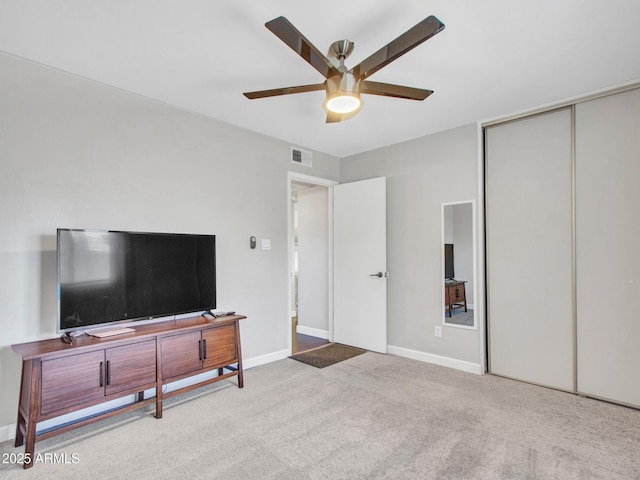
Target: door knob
(379,275)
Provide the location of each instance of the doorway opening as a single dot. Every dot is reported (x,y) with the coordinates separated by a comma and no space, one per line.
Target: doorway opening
(310,269)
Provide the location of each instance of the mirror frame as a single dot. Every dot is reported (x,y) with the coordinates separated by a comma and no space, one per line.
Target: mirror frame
(474,246)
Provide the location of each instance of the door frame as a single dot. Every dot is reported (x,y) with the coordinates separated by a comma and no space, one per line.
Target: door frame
(321,182)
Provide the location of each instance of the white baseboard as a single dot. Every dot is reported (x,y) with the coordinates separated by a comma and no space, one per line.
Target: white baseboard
(263,359)
(314,332)
(7,432)
(436,359)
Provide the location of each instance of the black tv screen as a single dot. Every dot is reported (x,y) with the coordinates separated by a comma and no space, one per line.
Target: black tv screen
(112,276)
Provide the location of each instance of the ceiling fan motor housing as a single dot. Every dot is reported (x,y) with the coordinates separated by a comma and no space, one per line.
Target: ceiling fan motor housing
(341,49)
(345,83)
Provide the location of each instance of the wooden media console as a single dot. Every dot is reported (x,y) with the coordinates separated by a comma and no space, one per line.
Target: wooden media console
(59,378)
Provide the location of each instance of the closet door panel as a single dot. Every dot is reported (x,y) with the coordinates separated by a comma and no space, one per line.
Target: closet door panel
(608,246)
(529,249)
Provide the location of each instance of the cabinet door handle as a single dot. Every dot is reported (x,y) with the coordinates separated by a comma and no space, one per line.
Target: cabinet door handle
(101,374)
(204,349)
(200,350)
(108,369)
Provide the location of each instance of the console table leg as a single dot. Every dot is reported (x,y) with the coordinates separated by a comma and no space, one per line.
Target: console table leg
(21,424)
(159,380)
(30,448)
(33,409)
(240,371)
(159,400)
(158,407)
(464,293)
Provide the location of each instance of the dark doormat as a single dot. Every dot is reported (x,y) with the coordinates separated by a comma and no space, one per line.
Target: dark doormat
(327,355)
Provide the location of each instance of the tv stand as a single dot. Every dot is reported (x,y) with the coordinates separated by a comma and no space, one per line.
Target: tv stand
(455,296)
(59,378)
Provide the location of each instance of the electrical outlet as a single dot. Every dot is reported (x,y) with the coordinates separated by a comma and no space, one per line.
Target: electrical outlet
(438,331)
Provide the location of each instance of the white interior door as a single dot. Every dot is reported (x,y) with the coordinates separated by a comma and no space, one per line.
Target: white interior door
(360,264)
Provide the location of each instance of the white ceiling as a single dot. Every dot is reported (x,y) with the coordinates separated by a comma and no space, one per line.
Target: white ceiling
(494,58)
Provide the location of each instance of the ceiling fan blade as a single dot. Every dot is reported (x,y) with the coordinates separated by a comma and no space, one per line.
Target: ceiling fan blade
(397,91)
(284,91)
(410,39)
(286,32)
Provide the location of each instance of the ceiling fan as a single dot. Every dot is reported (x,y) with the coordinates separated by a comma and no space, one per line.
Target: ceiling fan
(343,87)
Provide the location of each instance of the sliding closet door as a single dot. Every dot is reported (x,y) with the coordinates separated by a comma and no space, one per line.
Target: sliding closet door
(608,246)
(529,249)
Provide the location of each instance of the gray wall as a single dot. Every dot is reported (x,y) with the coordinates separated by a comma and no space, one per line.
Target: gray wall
(74,153)
(421,175)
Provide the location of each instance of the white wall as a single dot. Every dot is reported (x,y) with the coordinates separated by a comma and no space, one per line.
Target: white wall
(74,153)
(313,260)
(421,175)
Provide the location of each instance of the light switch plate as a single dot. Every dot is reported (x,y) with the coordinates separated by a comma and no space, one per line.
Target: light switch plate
(266,244)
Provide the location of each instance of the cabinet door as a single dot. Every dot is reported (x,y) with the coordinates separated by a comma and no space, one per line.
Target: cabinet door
(130,366)
(458,294)
(220,346)
(71,381)
(180,354)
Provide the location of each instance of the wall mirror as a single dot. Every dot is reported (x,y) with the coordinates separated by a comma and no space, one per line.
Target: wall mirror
(458,264)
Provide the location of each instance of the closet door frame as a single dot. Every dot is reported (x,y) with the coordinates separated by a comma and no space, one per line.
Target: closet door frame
(574,269)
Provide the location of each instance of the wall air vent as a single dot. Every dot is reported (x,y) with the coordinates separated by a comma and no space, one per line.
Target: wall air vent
(301,157)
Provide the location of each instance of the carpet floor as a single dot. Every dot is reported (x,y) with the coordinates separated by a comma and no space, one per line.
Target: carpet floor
(369,417)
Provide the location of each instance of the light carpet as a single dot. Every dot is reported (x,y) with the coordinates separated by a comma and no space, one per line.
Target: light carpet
(370,417)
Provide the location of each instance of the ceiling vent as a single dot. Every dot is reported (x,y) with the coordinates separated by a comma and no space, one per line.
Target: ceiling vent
(301,157)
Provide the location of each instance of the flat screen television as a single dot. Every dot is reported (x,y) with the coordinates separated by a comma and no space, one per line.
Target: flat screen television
(448,261)
(108,277)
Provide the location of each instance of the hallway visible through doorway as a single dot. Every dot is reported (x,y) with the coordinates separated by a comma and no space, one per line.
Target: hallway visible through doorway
(301,342)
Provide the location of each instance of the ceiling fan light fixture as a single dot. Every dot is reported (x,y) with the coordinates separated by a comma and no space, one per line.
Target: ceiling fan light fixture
(344,102)
(343,94)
